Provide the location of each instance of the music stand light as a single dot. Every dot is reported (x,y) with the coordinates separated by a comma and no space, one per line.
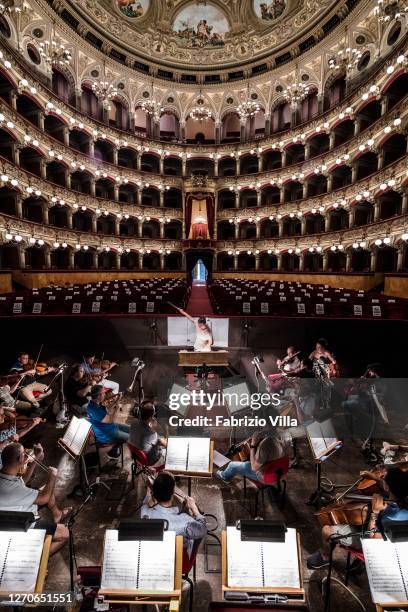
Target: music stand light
(142,529)
(16,521)
(253,530)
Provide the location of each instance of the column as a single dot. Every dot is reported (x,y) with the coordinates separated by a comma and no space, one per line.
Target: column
(182,131)
(117,226)
(327,223)
(329,182)
(236,226)
(373,261)
(116,192)
(41,117)
(47,259)
(13,96)
(357,125)
(78,99)
(91,145)
(242,134)
(307,150)
(303,222)
(301,262)
(384,105)
(258,229)
(65,131)
(161,231)
(45,214)
(216,160)
(235,261)
(71,259)
(279,261)
(115,156)
(377,210)
(260,162)
(215,261)
(258,197)
(352,216)
(325,261)
(94,222)
(280,226)
(217,133)
(105,112)
(236,199)
(19,205)
(43,169)
(257,261)
(161,261)
(320,103)
(215,215)
(139,260)
(16,154)
(237,165)
(67,178)
(21,258)
(400,258)
(95,259)
(304,192)
(92,186)
(332,138)
(140,228)
(139,162)
(281,195)
(348,261)
(131,122)
(161,197)
(118,258)
(353,172)
(267,126)
(184,166)
(69,217)
(183,260)
(161,164)
(380,159)
(156,129)
(284,158)
(404,203)
(139,196)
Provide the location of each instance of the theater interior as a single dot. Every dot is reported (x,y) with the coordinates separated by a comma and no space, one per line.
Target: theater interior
(204,305)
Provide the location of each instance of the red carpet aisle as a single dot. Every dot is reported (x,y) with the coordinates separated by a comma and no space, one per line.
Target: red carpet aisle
(199,302)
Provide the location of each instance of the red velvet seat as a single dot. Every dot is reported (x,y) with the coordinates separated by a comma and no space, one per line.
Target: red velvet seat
(273,481)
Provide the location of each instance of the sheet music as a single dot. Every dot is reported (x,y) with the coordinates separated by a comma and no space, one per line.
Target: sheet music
(20,556)
(188,454)
(385,574)
(156,570)
(329,433)
(76,434)
(316,440)
(138,565)
(262,564)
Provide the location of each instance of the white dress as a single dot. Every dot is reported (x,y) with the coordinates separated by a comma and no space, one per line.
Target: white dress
(200,344)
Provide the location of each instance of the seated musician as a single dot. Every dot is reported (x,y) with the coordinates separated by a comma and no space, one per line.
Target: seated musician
(161,505)
(93,368)
(8,426)
(204,338)
(31,390)
(77,389)
(102,418)
(396,481)
(143,435)
(263,451)
(15,495)
(290,364)
(323,362)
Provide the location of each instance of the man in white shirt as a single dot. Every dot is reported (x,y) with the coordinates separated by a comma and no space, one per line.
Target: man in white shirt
(16,496)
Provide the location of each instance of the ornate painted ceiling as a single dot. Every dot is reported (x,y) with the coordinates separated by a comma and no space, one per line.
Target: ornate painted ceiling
(206,35)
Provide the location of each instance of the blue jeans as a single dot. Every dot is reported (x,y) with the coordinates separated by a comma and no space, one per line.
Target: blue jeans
(239,468)
(121,434)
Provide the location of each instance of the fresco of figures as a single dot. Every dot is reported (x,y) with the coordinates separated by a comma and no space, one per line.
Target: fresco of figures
(269,10)
(133,8)
(198,25)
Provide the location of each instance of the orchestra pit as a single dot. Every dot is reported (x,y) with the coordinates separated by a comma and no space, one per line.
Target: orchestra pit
(203,305)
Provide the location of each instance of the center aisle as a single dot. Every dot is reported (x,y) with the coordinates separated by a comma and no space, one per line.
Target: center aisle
(199,302)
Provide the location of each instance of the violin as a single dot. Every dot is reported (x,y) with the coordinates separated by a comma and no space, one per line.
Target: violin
(241,451)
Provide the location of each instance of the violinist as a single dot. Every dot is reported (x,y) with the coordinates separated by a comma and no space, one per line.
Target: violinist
(30,389)
(8,426)
(78,388)
(263,451)
(102,418)
(382,513)
(290,364)
(99,371)
(143,435)
(324,364)
(16,495)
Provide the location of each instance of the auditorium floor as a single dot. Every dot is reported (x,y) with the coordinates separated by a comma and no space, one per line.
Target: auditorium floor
(226,502)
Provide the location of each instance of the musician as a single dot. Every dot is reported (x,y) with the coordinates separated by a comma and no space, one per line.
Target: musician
(91,368)
(78,388)
(7,400)
(102,418)
(263,451)
(357,406)
(31,390)
(143,435)
(8,426)
(204,338)
(15,495)
(381,515)
(290,364)
(322,360)
(161,505)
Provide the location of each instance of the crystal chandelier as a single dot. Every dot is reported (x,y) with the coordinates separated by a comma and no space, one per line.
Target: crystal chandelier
(296,92)
(104,90)
(386,10)
(200,112)
(54,52)
(152,106)
(346,58)
(248,108)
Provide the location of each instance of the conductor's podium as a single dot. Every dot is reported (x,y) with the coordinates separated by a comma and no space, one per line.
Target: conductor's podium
(195,359)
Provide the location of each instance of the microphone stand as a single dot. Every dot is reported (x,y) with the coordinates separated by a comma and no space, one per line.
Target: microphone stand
(70,523)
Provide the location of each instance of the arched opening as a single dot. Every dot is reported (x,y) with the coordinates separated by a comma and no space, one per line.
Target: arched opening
(341,176)
(281,117)
(390,204)
(246,262)
(309,107)
(28,108)
(128,227)
(290,262)
(369,114)
(103,151)
(33,208)
(200,165)
(169,126)
(129,260)
(173,230)
(141,122)
(31,160)
(231,128)
(360,260)
(226,199)
(270,195)
(106,224)
(268,261)
(272,160)
(127,158)
(338,219)
(363,213)
(128,193)
(336,261)
(55,127)
(313,262)
(248,164)
(82,221)
(396,90)
(225,230)
(225,262)
(60,258)
(9,257)
(172,261)
(7,145)
(118,115)
(366,164)
(394,148)
(343,132)
(314,223)
(35,257)
(81,181)
(105,188)
(269,228)
(150,197)
(387,259)
(335,92)
(291,226)
(56,172)
(151,261)
(295,154)
(106,260)
(227,166)
(247,230)
(83,259)
(58,216)
(151,229)
(79,140)
(61,86)
(8,201)
(200,132)
(173,198)
(316,185)
(247,198)
(293,190)
(318,144)
(89,103)
(6,88)
(172,166)
(150,163)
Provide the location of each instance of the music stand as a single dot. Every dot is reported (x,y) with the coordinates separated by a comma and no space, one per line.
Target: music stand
(74,443)
(321,453)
